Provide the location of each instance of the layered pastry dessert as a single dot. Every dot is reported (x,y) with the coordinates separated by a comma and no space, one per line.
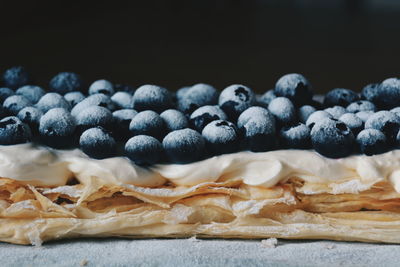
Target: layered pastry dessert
(115,161)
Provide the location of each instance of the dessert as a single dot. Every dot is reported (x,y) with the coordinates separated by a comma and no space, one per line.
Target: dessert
(224,165)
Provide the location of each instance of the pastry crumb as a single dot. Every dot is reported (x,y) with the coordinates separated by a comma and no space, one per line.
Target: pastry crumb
(194,239)
(269,243)
(84,262)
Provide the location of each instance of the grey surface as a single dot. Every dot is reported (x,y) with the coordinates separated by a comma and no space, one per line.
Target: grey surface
(189,252)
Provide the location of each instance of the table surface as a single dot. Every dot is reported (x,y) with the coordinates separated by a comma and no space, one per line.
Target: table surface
(198,252)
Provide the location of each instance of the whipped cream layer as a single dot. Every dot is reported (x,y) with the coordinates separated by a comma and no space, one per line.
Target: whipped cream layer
(44,166)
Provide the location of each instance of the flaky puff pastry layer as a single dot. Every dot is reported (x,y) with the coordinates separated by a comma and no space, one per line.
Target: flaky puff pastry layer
(32,215)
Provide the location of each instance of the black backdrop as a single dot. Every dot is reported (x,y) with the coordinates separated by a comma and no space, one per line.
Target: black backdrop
(177,43)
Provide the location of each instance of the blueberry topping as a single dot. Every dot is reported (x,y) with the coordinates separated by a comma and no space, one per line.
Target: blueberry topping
(372,142)
(283,110)
(304,112)
(57,127)
(206,114)
(74,98)
(15,77)
(386,122)
(361,105)
(370,92)
(13,131)
(295,87)
(364,115)
(259,134)
(122,119)
(122,100)
(144,150)
(124,88)
(388,94)
(266,98)
(152,97)
(336,111)
(340,97)
(396,111)
(180,93)
(221,137)
(97,143)
(94,116)
(148,123)
(13,104)
(332,138)
(353,122)
(5,93)
(101,87)
(252,112)
(65,82)
(297,136)
(31,92)
(235,99)
(174,120)
(30,116)
(316,117)
(94,100)
(184,146)
(197,96)
(52,100)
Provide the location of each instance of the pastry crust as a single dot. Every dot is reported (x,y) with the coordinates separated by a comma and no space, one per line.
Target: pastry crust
(232,209)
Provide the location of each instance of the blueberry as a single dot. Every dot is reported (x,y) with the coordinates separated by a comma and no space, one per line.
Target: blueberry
(297,136)
(180,93)
(57,127)
(388,94)
(94,100)
(124,88)
(266,98)
(283,110)
(148,123)
(259,134)
(295,87)
(52,100)
(206,114)
(197,96)
(336,111)
(386,122)
(4,93)
(14,131)
(252,112)
(221,137)
(372,142)
(361,105)
(340,97)
(174,120)
(122,100)
(235,99)
(94,116)
(31,92)
(364,115)
(304,112)
(101,87)
(332,138)
(370,92)
(122,119)
(184,146)
(144,150)
(396,111)
(316,117)
(15,77)
(13,104)
(97,143)
(74,97)
(152,97)
(65,82)
(353,122)
(30,116)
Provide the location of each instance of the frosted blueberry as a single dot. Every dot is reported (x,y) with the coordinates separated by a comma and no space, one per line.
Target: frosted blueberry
(179,94)
(340,97)
(93,100)
(152,97)
(370,92)
(74,98)
(396,111)
(52,100)
(4,93)
(386,122)
(30,116)
(14,131)
(372,142)
(221,137)
(124,88)
(336,111)
(57,127)
(361,105)
(204,115)
(297,136)
(144,150)
(283,110)
(184,146)
(65,82)
(332,138)
(15,77)
(31,92)
(253,112)
(97,143)
(148,123)
(101,87)
(304,112)
(13,104)
(122,100)
(364,115)
(353,122)
(259,134)
(316,117)
(122,119)
(94,116)
(174,120)
(197,96)
(295,87)
(266,98)
(235,99)
(388,94)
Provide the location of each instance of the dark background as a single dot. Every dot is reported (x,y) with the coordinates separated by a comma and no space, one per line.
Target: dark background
(344,43)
